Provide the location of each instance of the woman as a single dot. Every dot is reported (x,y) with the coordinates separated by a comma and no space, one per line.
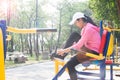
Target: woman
(87,41)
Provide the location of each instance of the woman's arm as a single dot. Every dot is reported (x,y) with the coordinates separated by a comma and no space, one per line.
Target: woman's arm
(62,51)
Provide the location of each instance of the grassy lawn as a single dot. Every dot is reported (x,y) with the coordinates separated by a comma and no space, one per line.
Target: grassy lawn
(9,64)
(31,60)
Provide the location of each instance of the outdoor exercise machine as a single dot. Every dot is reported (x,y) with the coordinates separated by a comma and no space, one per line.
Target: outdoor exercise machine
(4,37)
(116,55)
(105,57)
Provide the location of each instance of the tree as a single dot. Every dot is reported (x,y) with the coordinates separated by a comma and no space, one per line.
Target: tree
(24,17)
(106,10)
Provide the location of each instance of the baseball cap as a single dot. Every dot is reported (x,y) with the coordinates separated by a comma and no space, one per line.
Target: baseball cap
(76,16)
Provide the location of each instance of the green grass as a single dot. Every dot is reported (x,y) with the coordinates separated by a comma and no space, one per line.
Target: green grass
(9,64)
(33,58)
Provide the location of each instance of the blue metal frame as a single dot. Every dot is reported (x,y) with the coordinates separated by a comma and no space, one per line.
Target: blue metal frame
(60,72)
(3,27)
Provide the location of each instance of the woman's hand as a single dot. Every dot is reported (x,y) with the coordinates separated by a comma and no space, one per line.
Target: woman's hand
(62,51)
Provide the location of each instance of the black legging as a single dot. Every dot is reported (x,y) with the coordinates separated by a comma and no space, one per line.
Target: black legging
(74,37)
(71,67)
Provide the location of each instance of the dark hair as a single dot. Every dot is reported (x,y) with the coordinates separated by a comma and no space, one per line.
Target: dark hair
(88,20)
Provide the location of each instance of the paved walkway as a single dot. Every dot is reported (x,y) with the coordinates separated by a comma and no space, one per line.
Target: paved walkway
(39,71)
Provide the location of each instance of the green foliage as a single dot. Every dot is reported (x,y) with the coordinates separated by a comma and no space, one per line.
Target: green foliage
(105,10)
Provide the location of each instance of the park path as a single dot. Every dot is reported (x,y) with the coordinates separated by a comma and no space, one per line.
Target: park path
(40,71)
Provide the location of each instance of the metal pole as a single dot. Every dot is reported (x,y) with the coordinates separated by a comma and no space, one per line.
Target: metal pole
(36,24)
(37,13)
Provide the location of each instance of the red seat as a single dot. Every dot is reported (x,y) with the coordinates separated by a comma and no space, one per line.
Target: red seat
(108,62)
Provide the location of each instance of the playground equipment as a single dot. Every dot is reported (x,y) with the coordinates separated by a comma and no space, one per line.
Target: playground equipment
(4,37)
(2,71)
(26,31)
(116,54)
(105,57)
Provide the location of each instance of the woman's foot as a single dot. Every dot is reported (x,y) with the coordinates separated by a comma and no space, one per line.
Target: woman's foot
(56,56)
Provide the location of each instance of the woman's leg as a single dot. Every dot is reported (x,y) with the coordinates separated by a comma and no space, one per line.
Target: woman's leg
(74,37)
(73,62)
(71,67)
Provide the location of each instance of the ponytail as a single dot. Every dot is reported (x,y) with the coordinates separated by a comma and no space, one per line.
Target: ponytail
(89,20)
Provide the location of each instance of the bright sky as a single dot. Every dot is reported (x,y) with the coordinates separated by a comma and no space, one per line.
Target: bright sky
(50,7)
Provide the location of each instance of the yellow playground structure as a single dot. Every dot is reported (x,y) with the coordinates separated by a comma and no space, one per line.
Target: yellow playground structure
(2,71)
(3,39)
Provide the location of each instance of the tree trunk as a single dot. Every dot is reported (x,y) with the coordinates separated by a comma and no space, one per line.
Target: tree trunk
(118,6)
(21,37)
(12,43)
(59,33)
(30,45)
(36,48)
(42,44)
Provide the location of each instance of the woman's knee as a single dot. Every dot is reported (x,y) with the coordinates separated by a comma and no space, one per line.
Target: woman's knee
(69,65)
(72,62)
(74,37)
(75,34)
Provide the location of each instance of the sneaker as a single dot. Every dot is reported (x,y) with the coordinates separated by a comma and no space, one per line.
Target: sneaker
(56,56)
